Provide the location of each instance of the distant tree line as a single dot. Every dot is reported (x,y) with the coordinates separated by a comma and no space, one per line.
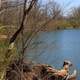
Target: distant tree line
(11,14)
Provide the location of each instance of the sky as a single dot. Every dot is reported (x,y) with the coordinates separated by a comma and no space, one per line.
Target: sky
(66,4)
(69,3)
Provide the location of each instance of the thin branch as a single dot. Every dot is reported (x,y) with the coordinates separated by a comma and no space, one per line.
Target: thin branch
(32,36)
(26,12)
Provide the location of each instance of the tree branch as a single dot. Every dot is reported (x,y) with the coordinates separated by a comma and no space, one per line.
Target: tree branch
(26,12)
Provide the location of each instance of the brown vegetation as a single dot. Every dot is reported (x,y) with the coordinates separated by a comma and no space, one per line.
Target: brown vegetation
(34,72)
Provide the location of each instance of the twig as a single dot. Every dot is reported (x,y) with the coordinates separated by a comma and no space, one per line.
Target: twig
(32,36)
(26,12)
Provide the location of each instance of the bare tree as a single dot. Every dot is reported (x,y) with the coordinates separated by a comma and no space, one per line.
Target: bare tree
(74,17)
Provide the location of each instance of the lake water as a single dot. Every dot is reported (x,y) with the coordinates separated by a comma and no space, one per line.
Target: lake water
(54,47)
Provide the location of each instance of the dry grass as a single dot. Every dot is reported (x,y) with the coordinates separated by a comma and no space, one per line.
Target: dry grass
(4,62)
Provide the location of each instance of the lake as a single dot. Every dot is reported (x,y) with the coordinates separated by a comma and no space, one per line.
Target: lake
(54,47)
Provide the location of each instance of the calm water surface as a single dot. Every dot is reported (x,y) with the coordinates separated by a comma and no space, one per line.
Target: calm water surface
(55,47)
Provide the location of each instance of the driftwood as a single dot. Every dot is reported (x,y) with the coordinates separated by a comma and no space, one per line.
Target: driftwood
(36,72)
(42,72)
